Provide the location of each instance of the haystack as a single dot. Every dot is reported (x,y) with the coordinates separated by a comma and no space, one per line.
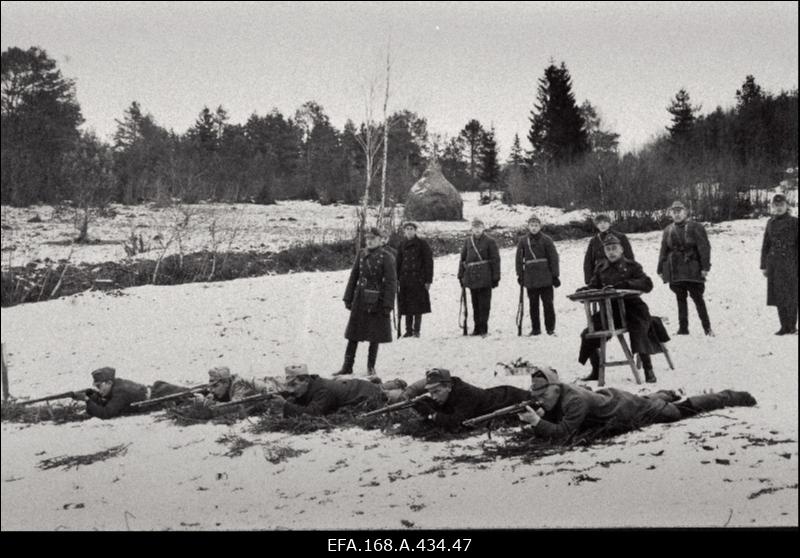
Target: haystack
(433,198)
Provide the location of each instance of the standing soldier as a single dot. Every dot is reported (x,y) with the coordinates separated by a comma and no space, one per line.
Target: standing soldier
(684,263)
(595,252)
(779,264)
(414,275)
(479,271)
(370,298)
(537,271)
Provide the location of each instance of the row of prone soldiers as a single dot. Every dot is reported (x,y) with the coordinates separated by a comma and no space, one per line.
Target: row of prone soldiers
(684,262)
(556,411)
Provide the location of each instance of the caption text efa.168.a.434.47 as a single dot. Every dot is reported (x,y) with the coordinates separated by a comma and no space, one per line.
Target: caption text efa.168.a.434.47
(402,544)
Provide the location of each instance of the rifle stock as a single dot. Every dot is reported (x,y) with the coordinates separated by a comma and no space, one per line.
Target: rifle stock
(396,406)
(65,395)
(464,325)
(505,411)
(157,400)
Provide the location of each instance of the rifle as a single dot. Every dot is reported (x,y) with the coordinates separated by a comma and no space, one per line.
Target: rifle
(245,400)
(463,309)
(520,310)
(65,395)
(396,406)
(505,411)
(157,400)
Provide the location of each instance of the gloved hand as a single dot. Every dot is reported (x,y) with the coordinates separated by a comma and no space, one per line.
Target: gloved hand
(556,282)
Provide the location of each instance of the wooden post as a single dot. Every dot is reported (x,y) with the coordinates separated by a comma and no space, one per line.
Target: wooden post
(4,372)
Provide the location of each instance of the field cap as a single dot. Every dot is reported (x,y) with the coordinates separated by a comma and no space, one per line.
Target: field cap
(436,376)
(104,374)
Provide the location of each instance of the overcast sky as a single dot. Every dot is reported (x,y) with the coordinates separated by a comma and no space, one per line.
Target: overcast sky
(453,61)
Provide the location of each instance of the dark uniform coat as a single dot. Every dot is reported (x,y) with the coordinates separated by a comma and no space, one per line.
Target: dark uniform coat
(118,402)
(627,274)
(326,396)
(373,270)
(467,401)
(779,258)
(487,248)
(685,253)
(579,409)
(414,270)
(538,247)
(595,253)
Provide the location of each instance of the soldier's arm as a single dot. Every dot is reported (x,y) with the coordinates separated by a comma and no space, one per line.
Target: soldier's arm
(575,412)
(427,258)
(662,254)
(765,246)
(552,257)
(703,248)
(113,408)
(588,264)
(638,279)
(349,292)
(494,257)
(322,402)
(596,282)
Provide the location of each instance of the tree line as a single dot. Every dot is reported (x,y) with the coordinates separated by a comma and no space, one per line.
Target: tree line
(571,158)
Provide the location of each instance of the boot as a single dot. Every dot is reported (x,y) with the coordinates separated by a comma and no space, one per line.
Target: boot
(595,374)
(710,332)
(347,367)
(781,331)
(408,334)
(371,371)
(714,401)
(417,324)
(649,376)
(682,330)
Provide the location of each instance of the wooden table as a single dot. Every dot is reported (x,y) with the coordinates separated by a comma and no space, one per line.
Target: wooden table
(602,301)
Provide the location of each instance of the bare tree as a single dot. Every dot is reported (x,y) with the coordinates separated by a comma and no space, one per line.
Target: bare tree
(385,135)
(370,141)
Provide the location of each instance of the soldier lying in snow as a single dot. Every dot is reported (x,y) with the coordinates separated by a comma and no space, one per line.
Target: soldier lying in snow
(454,400)
(113,396)
(225,387)
(568,410)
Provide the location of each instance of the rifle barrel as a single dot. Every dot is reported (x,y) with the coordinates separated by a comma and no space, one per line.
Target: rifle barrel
(400,405)
(65,395)
(505,411)
(156,400)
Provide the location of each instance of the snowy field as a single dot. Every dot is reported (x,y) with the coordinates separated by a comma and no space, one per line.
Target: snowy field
(711,471)
(228,227)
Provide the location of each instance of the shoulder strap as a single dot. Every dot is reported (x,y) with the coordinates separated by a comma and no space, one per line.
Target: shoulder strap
(472,239)
(531,248)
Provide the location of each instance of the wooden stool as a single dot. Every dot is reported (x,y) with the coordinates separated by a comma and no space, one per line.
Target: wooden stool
(602,302)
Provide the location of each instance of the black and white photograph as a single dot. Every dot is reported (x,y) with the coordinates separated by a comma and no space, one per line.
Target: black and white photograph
(399,267)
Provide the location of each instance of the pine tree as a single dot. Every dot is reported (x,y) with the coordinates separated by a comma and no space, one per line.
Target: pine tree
(600,140)
(557,130)
(683,118)
(748,94)
(472,134)
(516,158)
(490,169)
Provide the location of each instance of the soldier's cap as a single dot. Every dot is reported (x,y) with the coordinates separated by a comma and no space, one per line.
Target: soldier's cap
(104,374)
(411,224)
(534,219)
(374,231)
(602,218)
(611,239)
(295,371)
(677,205)
(218,374)
(778,198)
(477,222)
(542,377)
(436,376)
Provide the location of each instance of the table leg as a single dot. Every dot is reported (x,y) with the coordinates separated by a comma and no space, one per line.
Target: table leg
(666,354)
(629,356)
(601,369)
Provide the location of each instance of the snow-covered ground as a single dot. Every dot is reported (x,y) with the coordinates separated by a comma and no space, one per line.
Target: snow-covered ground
(235,227)
(709,471)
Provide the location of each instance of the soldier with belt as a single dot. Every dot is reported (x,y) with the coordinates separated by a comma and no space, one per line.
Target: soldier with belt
(538,271)
(779,264)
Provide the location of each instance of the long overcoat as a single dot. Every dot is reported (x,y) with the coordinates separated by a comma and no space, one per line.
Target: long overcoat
(414,270)
(370,314)
(779,259)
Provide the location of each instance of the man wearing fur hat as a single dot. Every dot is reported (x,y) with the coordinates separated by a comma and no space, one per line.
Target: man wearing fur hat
(414,276)
(538,271)
(311,395)
(452,400)
(568,410)
(479,271)
(369,297)
(779,264)
(684,263)
(595,252)
(646,334)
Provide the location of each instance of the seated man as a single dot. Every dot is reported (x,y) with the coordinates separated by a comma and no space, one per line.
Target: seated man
(621,273)
(568,410)
(225,387)
(312,395)
(453,400)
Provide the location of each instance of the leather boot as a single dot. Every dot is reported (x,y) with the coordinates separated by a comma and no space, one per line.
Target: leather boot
(649,376)
(347,367)
(594,359)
